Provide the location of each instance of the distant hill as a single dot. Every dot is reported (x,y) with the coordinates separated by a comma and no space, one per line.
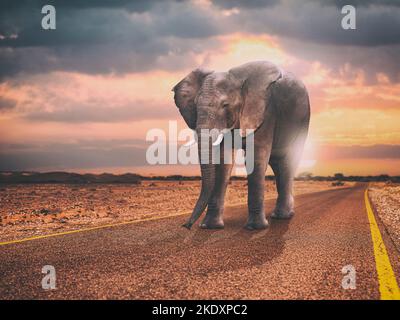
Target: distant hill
(132,178)
(67,177)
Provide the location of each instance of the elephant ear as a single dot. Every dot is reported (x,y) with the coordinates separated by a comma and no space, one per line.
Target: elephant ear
(185,94)
(256,78)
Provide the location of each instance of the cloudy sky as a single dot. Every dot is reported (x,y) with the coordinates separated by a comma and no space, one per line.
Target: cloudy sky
(82,97)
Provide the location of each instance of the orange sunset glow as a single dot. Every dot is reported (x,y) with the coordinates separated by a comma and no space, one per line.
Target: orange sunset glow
(70,112)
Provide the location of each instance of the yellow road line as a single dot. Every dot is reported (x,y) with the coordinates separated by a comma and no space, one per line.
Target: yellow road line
(388,287)
(88,229)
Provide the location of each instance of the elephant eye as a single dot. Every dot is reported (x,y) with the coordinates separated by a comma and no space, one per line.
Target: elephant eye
(225,105)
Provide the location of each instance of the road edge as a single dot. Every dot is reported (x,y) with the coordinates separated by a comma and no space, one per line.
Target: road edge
(388,287)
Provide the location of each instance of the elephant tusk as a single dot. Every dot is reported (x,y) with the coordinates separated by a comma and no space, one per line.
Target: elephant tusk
(190,143)
(218,140)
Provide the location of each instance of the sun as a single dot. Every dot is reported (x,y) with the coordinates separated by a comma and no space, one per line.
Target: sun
(239,48)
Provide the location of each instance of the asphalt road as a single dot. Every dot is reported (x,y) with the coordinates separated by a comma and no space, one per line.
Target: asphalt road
(298,259)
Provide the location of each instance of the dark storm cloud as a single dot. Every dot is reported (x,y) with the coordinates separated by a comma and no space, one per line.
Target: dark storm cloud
(166,54)
(92,59)
(103,38)
(96,113)
(82,154)
(136,5)
(134,36)
(7,104)
(229,4)
(312,30)
(358,3)
(112,27)
(372,60)
(313,22)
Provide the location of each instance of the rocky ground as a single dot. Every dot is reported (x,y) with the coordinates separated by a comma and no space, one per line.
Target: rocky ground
(386,200)
(35,209)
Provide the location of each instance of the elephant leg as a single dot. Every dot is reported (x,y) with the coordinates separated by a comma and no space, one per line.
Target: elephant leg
(256,184)
(275,168)
(286,169)
(284,203)
(215,208)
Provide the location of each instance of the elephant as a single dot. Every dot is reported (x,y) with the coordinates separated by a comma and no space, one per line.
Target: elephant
(258,96)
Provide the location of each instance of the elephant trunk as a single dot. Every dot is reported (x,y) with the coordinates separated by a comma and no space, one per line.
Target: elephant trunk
(208,172)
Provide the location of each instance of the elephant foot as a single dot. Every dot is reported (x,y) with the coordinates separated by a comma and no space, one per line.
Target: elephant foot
(212,223)
(279,215)
(257,223)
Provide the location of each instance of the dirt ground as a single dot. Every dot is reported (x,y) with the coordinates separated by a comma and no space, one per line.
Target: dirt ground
(34,209)
(386,200)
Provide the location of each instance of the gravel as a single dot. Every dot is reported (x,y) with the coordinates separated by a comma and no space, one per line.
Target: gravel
(386,199)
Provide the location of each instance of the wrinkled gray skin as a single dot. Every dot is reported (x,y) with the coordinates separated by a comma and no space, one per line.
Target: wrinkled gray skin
(260,96)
